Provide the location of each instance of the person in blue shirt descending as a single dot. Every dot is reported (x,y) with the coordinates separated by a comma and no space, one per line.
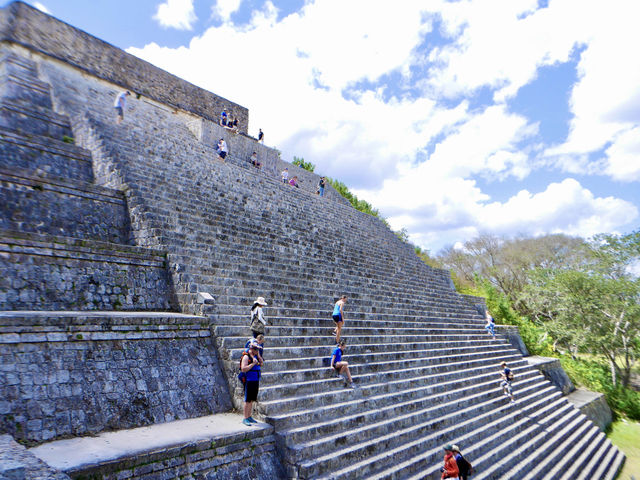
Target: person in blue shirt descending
(339,366)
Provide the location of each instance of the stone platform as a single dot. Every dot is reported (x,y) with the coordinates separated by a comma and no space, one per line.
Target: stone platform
(215,446)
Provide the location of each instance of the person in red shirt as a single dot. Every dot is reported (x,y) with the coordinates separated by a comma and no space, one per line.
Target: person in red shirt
(450,469)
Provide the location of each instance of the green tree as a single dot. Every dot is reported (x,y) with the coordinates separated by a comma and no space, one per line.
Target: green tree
(596,308)
(302,164)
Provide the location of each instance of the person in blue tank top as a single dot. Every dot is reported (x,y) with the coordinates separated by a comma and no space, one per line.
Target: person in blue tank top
(250,366)
(338,316)
(339,366)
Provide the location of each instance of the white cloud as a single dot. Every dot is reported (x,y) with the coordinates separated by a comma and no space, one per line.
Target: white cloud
(41,7)
(224,8)
(623,156)
(292,74)
(177,14)
(605,102)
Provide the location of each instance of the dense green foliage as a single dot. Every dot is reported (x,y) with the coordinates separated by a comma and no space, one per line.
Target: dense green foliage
(302,164)
(574,299)
(360,205)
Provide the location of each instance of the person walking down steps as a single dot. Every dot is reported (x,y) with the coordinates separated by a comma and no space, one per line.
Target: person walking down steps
(464,467)
(120,104)
(258,322)
(450,468)
(339,366)
(507,377)
(338,316)
(250,366)
(491,324)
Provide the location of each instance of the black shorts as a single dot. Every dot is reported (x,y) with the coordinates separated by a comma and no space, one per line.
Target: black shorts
(251,391)
(223,154)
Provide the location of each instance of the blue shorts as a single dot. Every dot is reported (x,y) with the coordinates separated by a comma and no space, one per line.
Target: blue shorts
(120,112)
(337,318)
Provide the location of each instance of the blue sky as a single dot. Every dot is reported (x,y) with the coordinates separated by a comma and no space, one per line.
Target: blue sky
(453,118)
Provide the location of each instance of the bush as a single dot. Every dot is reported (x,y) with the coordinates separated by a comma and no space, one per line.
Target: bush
(594,374)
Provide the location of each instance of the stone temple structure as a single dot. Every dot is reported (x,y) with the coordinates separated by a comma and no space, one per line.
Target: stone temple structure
(131,254)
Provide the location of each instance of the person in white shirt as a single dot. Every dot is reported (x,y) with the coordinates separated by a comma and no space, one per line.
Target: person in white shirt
(120,104)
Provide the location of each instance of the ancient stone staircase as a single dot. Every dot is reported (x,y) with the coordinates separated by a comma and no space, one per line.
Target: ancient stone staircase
(427,372)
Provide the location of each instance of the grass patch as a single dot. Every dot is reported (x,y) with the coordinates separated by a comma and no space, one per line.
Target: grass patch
(625,435)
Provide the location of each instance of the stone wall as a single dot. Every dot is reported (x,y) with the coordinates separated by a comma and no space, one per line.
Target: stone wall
(59,273)
(56,207)
(75,375)
(24,25)
(553,371)
(17,463)
(44,159)
(244,456)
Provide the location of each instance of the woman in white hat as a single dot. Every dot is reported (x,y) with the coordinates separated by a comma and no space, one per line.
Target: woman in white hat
(258,322)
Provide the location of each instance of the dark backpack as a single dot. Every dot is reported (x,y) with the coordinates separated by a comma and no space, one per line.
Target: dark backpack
(464,466)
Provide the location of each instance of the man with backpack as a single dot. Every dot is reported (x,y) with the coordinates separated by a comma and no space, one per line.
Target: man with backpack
(464,467)
(507,377)
(250,367)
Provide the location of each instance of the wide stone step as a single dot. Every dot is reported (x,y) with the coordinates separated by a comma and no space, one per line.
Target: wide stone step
(270,377)
(297,420)
(27,119)
(538,453)
(53,207)
(364,415)
(312,351)
(44,156)
(367,331)
(492,414)
(568,453)
(329,342)
(279,407)
(425,373)
(69,273)
(549,414)
(294,360)
(356,319)
(216,446)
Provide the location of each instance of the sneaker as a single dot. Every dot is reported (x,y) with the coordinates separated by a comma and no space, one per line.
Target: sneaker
(350,385)
(513,401)
(252,420)
(247,422)
(506,394)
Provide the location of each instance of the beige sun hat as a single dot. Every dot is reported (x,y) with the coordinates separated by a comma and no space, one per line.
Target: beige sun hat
(261,301)
(455,448)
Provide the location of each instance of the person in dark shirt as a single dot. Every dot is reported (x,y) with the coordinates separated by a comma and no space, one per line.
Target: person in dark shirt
(507,377)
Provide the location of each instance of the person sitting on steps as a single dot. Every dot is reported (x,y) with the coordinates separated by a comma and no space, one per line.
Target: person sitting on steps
(254,160)
(339,366)
(294,182)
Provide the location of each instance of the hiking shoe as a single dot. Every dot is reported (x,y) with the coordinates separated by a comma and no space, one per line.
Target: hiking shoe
(247,422)
(252,420)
